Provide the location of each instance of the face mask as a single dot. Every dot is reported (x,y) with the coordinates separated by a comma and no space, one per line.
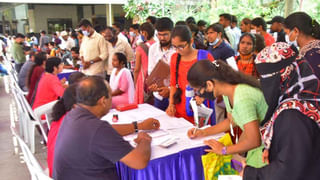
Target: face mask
(208,95)
(132,34)
(214,42)
(86,33)
(294,42)
(253,31)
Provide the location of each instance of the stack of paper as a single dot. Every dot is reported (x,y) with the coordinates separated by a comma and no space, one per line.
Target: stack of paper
(158,137)
(144,111)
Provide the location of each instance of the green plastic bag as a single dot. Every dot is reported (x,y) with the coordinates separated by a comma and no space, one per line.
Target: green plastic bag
(215,165)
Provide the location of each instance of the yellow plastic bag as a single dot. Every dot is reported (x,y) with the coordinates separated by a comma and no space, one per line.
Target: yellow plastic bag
(215,165)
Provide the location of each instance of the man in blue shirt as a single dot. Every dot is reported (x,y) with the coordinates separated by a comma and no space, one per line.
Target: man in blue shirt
(88,148)
(216,44)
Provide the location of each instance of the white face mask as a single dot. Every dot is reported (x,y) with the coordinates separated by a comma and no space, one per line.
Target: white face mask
(132,34)
(86,33)
(294,42)
(214,42)
(253,31)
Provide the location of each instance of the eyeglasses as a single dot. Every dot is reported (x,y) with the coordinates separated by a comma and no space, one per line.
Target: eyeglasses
(181,47)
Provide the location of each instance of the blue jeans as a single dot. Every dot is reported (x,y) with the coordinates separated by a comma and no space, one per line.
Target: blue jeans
(161,104)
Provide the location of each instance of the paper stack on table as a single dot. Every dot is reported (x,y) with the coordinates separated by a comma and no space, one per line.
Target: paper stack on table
(169,139)
(158,137)
(144,111)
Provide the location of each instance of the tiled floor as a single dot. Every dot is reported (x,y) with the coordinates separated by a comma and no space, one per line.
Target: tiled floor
(12,166)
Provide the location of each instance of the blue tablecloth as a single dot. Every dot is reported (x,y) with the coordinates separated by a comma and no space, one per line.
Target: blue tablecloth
(184,165)
(65,75)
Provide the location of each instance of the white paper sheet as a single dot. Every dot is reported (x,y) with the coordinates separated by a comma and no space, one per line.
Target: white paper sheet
(68,71)
(199,140)
(232,62)
(229,177)
(167,122)
(153,134)
(170,127)
(156,141)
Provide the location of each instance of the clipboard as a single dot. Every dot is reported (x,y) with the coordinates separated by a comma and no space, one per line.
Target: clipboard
(160,75)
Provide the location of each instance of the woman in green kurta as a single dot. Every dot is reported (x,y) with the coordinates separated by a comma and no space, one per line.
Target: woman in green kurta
(245,104)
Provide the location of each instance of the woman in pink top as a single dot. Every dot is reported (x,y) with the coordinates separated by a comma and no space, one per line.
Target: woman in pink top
(49,87)
(60,109)
(121,82)
(141,65)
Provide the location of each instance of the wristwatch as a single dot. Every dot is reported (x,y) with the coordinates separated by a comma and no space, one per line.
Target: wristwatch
(91,62)
(224,150)
(135,124)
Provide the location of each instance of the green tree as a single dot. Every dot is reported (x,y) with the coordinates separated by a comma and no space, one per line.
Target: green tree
(209,10)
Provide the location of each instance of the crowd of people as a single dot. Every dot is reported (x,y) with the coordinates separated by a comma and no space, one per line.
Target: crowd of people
(265,82)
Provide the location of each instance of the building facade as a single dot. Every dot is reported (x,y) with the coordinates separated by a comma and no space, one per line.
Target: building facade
(27,18)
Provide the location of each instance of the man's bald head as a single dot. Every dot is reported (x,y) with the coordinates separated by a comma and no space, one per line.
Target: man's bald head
(90,90)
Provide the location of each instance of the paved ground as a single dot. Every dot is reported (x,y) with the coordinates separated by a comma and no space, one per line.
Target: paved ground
(12,166)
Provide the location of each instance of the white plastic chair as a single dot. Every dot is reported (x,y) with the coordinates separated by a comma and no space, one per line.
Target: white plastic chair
(32,122)
(46,110)
(22,114)
(14,82)
(36,171)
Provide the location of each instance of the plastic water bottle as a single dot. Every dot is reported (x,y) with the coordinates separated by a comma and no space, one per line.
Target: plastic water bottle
(81,67)
(189,96)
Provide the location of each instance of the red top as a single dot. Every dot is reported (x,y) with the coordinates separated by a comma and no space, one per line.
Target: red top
(36,74)
(52,136)
(268,38)
(49,89)
(184,67)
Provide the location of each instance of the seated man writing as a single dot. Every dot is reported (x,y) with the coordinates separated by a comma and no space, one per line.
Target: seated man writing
(86,147)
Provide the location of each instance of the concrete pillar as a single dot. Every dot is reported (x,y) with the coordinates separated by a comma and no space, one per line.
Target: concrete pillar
(109,14)
(289,5)
(31,18)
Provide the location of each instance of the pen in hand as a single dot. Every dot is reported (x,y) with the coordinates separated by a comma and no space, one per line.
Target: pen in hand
(194,131)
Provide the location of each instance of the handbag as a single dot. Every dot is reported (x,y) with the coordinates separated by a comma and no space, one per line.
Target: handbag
(215,165)
(147,95)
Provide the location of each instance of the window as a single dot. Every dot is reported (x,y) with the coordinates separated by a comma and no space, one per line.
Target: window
(59,24)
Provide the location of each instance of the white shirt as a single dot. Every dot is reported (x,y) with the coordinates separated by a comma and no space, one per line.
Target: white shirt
(155,37)
(121,46)
(1,47)
(237,32)
(92,47)
(68,44)
(123,37)
(155,54)
(232,37)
